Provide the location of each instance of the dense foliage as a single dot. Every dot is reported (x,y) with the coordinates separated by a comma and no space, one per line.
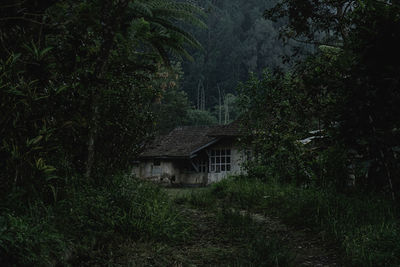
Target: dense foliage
(345,97)
(78,84)
(78,74)
(325,135)
(84,85)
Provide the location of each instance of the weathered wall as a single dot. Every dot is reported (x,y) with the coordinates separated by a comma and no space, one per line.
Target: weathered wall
(192,178)
(168,173)
(163,173)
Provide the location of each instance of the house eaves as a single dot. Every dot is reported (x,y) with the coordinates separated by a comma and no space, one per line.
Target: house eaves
(205,146)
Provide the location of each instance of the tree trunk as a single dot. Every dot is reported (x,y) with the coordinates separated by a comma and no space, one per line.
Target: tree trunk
(110,21)
(93,129)
(384,161)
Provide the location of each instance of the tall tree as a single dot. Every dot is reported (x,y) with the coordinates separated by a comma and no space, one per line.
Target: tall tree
(109,21)
(75,73)
(354,79)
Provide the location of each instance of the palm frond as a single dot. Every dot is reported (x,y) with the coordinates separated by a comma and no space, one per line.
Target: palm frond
(166,37)
(141,8)
(178,14)
(190,39)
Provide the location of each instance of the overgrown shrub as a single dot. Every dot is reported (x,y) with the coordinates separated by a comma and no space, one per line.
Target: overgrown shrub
(89,224)
(29,240)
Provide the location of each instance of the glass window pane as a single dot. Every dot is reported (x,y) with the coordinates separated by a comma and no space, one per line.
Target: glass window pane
(228,151)
(218,160)
(228,168)
(212,160)
(212,168)
(228,160)
(223,168)
(217,169)
(223,160)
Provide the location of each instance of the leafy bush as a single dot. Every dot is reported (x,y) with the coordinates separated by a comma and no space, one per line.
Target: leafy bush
(27,241)
(27,130)
(126,206)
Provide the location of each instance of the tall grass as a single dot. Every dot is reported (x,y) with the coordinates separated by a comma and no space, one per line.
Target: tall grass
(88,224)
(366,226)
(258,245)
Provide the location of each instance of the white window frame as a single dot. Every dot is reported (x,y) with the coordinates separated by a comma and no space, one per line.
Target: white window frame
(220,160)
(203,165)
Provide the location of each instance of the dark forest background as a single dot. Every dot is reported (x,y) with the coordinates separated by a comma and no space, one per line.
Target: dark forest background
(86,85)
(236,42)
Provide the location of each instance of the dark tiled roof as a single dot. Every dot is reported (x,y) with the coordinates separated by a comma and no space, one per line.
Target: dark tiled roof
(231,130)
(181,142)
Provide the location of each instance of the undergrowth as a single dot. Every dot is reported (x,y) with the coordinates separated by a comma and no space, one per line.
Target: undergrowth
(258,245)
(88,224)
(366,226)
(261,247)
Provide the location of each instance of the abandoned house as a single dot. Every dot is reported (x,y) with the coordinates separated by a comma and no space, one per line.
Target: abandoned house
(192,155)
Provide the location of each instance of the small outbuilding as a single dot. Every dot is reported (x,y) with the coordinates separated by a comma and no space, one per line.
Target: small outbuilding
(192,155)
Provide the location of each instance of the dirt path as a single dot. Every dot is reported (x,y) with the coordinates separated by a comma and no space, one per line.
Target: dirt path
(308,248)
